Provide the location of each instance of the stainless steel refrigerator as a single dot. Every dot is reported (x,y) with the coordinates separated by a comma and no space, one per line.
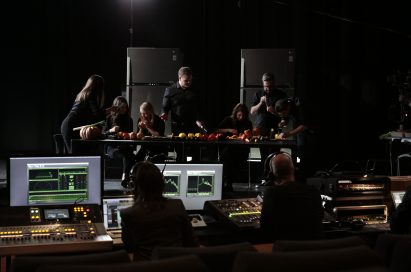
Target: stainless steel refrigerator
(149,72)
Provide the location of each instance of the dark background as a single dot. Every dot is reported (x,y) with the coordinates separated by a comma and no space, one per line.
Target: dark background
(345,52)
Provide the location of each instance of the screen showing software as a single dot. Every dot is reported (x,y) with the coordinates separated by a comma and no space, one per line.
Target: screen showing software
(200,183)
(193,183)
(172,183)
(55,180)
(111,211)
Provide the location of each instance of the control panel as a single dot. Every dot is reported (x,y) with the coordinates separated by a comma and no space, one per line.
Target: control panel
(242,213)
(52,229)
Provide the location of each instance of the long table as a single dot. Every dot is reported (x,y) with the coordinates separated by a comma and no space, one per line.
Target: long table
(77,144)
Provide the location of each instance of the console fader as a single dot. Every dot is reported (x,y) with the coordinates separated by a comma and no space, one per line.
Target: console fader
(52,229)
(242,213)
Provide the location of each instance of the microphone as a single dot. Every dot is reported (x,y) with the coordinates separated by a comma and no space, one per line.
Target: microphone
(200,125)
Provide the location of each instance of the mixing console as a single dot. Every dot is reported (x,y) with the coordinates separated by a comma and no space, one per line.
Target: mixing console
(34,230)
(242,213)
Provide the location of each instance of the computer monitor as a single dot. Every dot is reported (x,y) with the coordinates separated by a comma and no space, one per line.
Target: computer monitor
(193,183)
(55,180)
(111,211)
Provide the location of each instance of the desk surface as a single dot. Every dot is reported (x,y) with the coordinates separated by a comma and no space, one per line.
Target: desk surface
(182,145)
(279,143)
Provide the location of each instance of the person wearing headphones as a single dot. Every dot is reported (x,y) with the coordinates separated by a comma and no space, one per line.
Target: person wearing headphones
(291,210)
(153,220)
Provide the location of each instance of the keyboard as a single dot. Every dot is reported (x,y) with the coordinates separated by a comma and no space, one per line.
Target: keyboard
(114,234)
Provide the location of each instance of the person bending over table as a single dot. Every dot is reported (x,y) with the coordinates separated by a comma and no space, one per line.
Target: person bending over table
(304,128)
(87,109)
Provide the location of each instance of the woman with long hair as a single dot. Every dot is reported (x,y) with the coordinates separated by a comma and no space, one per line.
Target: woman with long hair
(153,220)
(232,158)
(116,121)
(149,124)
(87,109)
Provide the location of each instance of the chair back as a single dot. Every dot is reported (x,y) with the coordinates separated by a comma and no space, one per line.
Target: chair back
(179,264)
(340,259)
(401,261)
(31,263)
(303,245)
(385,244)
(216,258)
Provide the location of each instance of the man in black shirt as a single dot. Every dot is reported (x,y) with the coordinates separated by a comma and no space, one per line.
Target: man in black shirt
(291,210)
(263,107)
(182,100)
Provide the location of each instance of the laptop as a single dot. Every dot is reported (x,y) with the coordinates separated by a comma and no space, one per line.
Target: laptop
(111,213)
(397,197)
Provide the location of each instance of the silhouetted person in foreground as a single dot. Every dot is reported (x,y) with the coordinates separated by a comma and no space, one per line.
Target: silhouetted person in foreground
(153,220)
(291,210)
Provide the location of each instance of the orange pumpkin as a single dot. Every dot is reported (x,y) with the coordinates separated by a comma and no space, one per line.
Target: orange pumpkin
(90,133)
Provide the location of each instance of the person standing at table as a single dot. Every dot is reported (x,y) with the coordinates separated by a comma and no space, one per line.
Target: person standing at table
(87,109)
(263,108)
(234,156)
(116,121)
(181,99)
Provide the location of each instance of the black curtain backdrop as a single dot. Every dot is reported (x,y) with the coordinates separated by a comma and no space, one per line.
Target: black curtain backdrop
(345,52)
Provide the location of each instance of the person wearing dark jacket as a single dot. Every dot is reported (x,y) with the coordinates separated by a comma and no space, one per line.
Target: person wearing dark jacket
(263,109)
(183,102)
(120,121)
(291,210)
(153,220)
(87,109)
(234,156)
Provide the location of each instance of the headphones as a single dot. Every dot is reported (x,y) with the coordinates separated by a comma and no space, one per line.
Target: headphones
(270,173)
(135,170)
(133,174)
